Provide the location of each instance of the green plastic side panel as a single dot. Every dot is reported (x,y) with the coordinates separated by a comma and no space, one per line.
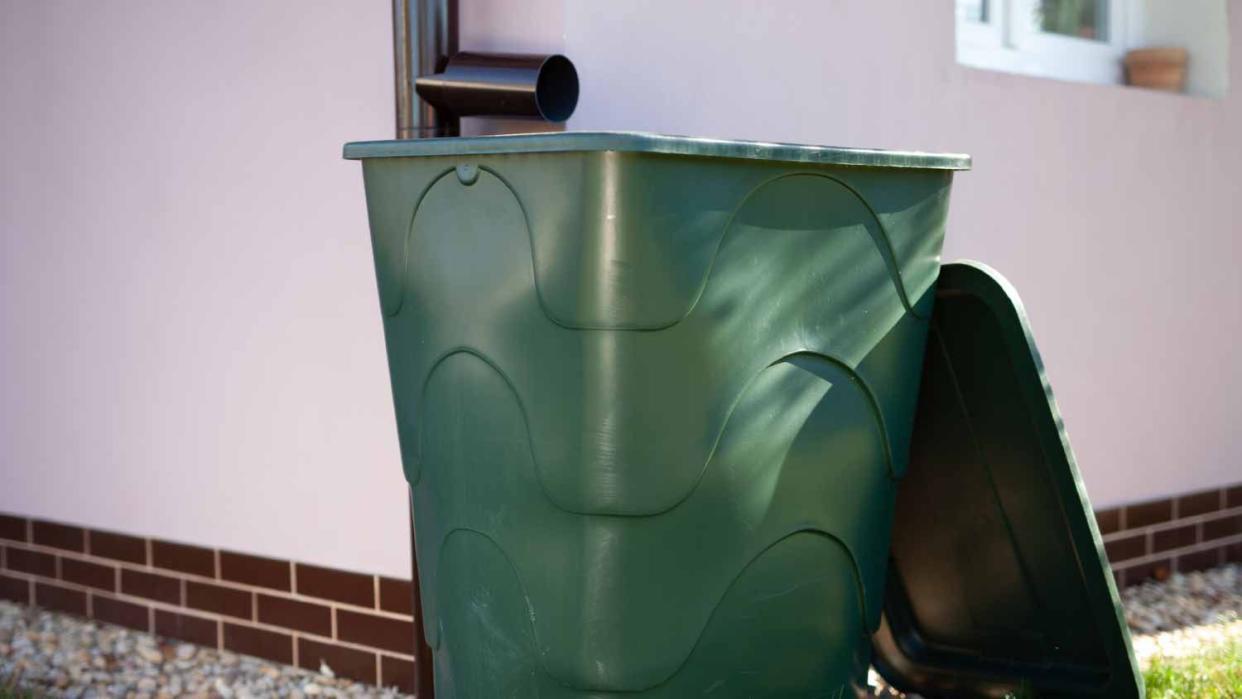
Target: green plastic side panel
(998,580)
(652,408)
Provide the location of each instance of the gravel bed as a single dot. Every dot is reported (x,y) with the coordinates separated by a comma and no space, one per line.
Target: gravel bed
(64,656)
(1190,599)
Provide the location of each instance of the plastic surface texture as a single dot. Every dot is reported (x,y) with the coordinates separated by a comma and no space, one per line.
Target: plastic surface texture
(630,142)
(998,581)
(653,400)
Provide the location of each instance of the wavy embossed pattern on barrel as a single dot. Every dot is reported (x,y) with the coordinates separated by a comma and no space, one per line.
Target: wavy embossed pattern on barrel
(626,240)
(802,450)
(592,397)
(787,625)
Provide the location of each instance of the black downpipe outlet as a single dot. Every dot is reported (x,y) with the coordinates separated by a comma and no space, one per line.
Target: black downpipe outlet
(508,85)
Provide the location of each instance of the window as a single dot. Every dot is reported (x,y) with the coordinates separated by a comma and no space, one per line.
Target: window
(1087,40)
(1081,40)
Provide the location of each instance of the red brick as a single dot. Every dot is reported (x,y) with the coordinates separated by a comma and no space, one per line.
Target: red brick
(61,536)
(1233,553)
(121,613)
(336,585)
(13,528)
(260,643)
(1199,503)
(396,595)
(254,570)
(1149,513)
(187,627)
(32,562)
(118,547)
(183,558)
(1199,560)
(88,574)
(395,672)
(14,589)
(221,600)
(292,614)
(1233,496)
(1127,548)
(345,662)
(160,588)
(1174,538)
(61,599)
(1222,527)
(376,631)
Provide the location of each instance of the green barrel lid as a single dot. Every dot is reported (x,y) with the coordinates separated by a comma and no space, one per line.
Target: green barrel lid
(629,142)
(998,584)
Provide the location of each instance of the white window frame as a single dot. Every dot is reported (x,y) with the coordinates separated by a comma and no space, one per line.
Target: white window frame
(1011,41)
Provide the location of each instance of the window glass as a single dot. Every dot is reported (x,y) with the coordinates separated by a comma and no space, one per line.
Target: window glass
(973,10)
(1084,19)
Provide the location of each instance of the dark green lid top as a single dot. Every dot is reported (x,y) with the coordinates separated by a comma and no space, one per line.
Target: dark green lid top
(574,141)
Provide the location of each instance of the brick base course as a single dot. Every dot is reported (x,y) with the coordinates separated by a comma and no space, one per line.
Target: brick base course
(360,625)
(1194,531)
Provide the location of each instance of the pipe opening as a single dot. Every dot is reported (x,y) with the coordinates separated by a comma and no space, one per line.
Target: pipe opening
(556,88)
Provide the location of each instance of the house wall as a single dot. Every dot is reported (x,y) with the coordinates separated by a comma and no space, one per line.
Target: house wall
(189,340)
(1199,26)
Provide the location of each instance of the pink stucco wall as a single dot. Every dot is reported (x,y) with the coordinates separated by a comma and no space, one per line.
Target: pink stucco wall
(189,338)
(190,345)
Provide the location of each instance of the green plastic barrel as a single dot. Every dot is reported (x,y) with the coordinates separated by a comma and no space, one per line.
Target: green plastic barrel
(654,396)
